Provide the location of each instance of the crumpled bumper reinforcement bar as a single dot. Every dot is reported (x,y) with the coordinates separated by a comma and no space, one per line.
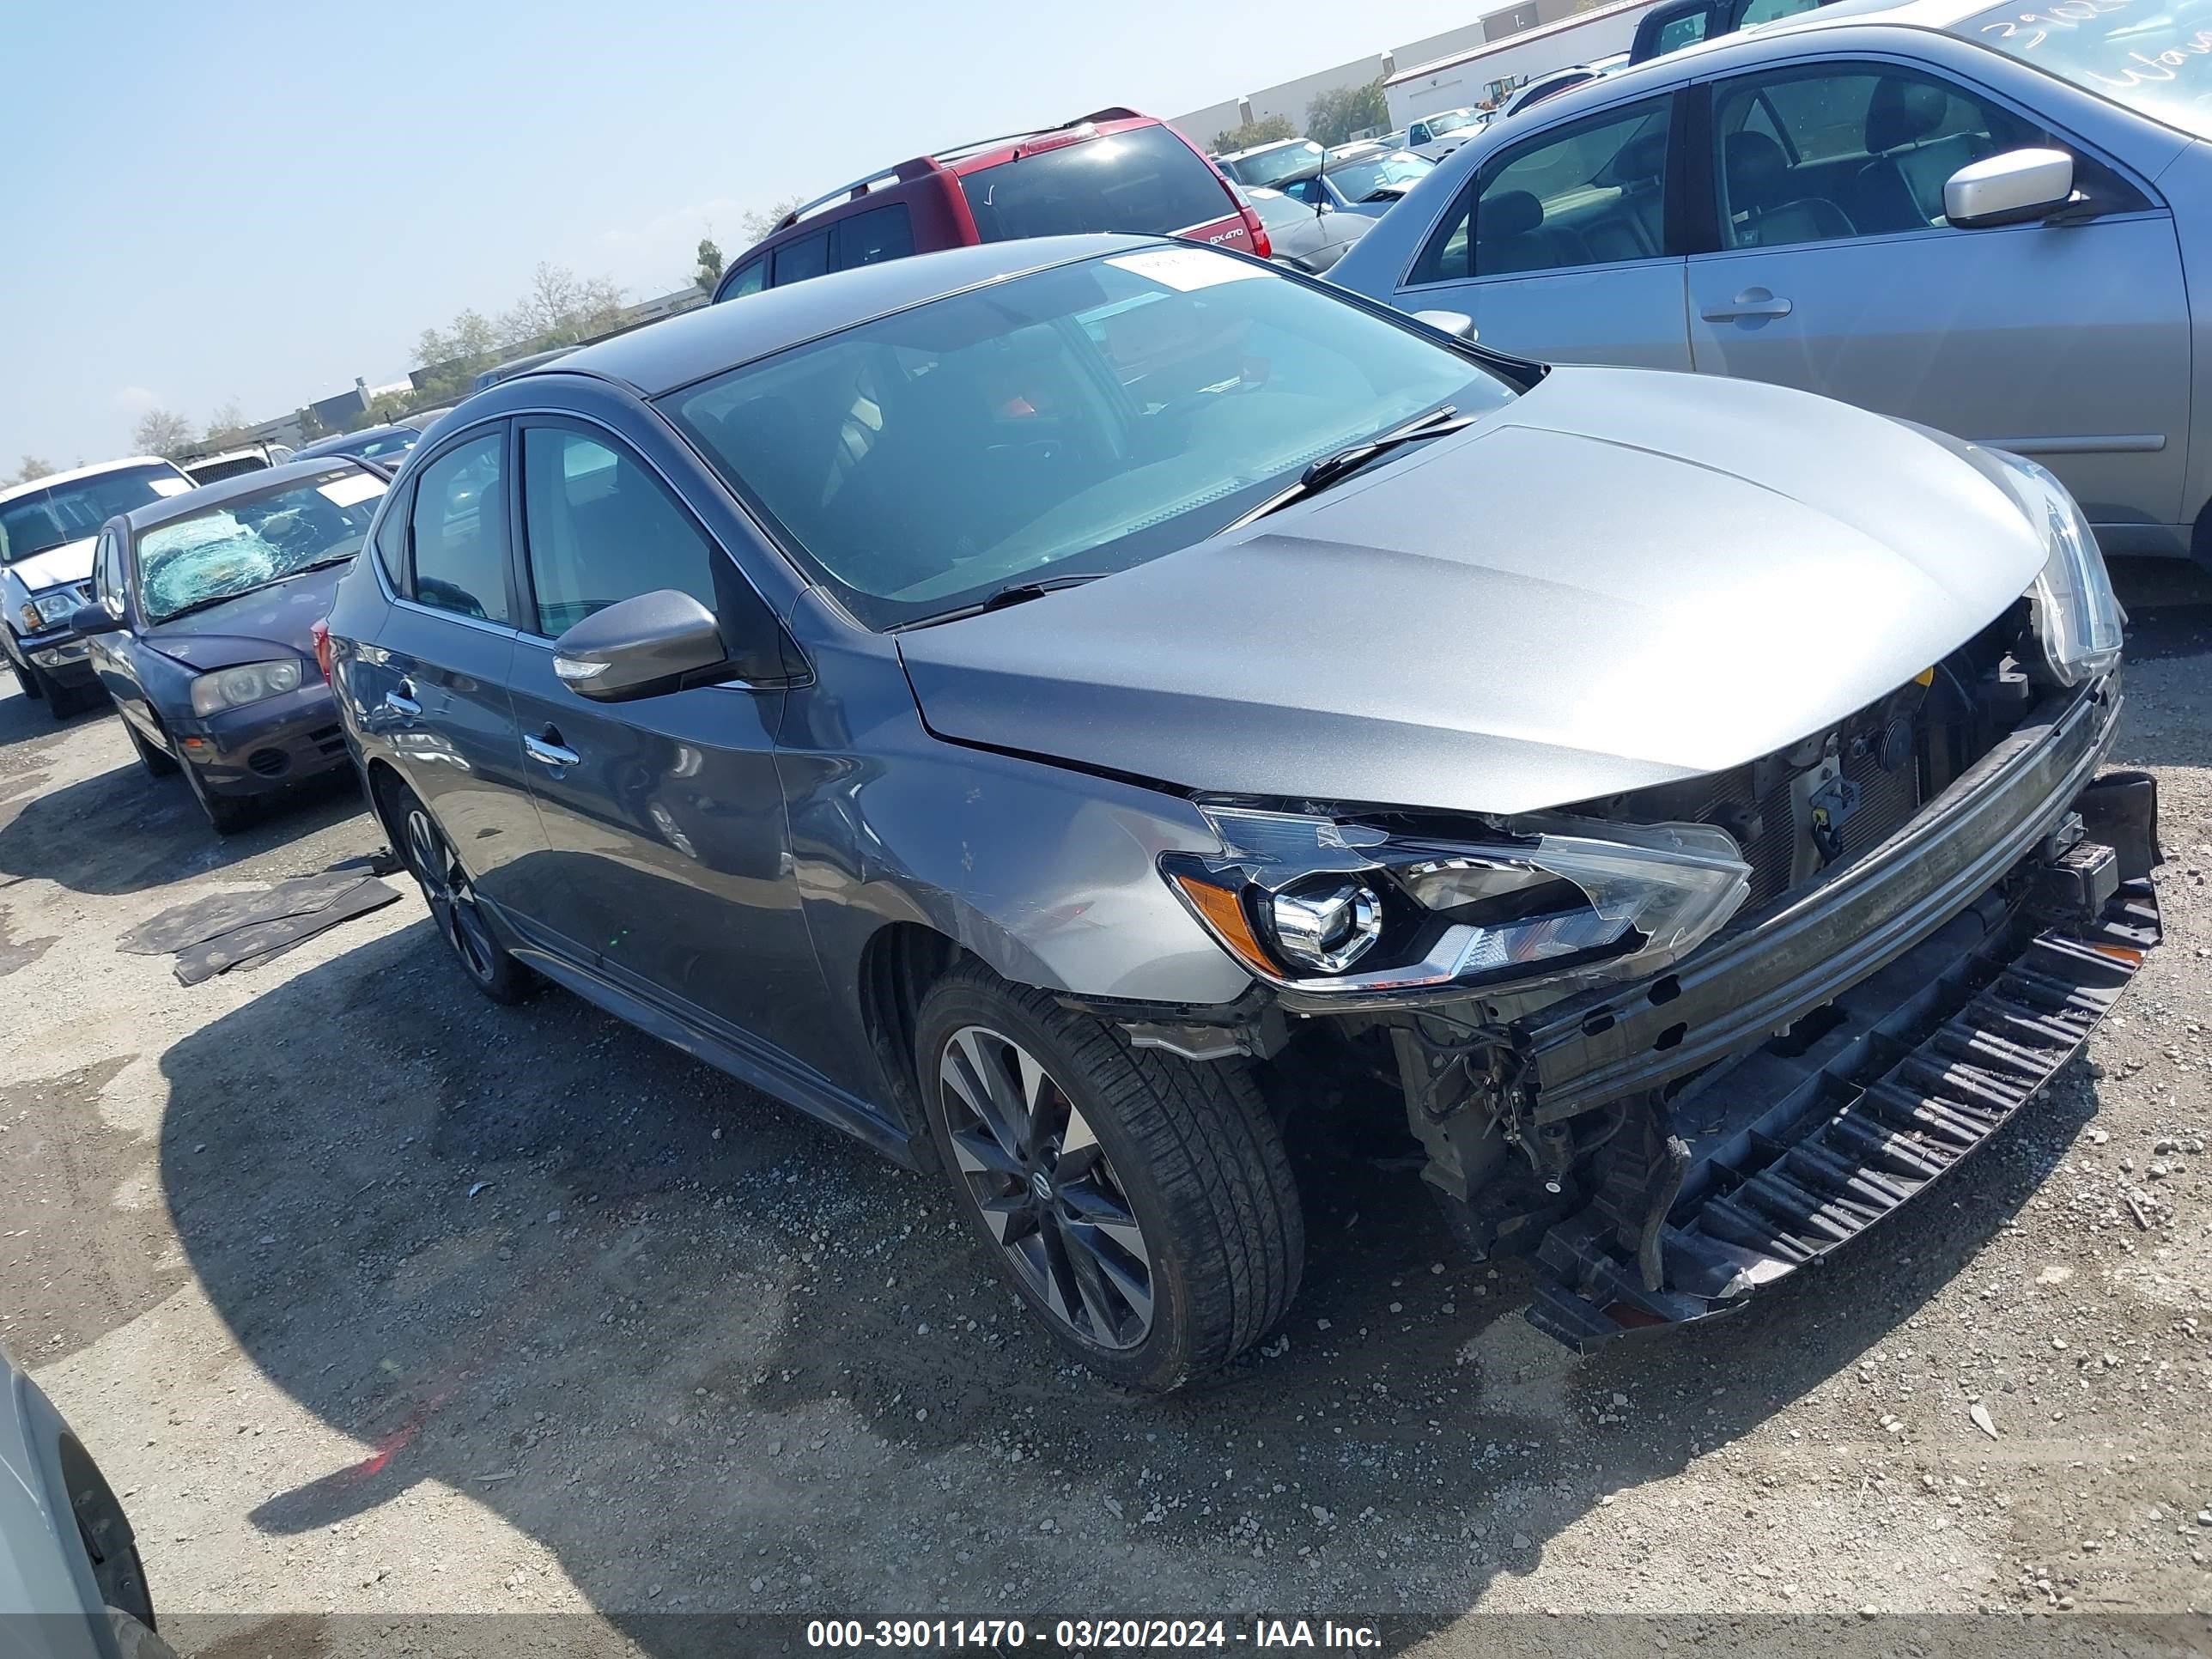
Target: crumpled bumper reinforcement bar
(1896,1105)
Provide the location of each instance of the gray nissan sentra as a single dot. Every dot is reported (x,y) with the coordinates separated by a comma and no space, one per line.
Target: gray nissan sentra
(1053,708)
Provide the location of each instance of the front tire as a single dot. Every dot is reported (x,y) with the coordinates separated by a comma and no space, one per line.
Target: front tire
(159,763)
(447,889)
(28,678)
(225,814)
(1142,1205)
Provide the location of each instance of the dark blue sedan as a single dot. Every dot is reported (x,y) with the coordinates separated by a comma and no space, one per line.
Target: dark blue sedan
(200,626)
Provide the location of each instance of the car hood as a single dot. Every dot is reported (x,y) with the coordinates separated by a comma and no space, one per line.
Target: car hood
(268,623)
(1621,579)
(70,562)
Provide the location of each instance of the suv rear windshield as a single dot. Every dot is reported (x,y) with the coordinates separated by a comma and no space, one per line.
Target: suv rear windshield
(1145,180)
(2156,58)
(70,512)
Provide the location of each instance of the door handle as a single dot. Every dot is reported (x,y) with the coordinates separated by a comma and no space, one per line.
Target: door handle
(400,701)
(1753,302)
(547,750)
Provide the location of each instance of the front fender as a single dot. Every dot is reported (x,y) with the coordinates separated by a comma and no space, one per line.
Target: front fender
(1049,875)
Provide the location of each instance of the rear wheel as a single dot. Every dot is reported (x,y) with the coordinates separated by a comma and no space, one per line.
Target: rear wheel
(1140,1204)
(453,900)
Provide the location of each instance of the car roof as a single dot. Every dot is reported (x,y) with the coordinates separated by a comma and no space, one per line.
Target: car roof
(336,446)
(32,486)
(1261,149)
(183,505)
(677,350)
(1606,88)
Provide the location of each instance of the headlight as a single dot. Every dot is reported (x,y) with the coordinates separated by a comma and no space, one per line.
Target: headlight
(1319,905)
(227,688)
(2078,619)
(47,611)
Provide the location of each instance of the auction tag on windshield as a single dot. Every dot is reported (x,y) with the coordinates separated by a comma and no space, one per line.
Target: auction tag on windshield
(352,487)
(167,486)
(1184,268)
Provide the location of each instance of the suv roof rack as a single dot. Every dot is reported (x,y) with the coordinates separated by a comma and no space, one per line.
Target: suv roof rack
(922,166)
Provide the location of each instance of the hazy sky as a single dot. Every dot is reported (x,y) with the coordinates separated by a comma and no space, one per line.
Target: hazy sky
(259,202)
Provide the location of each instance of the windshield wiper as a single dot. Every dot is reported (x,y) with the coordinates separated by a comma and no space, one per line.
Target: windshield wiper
(1335,468)
(999,598)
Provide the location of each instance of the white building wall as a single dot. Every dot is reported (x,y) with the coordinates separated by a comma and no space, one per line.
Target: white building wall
(1419,88)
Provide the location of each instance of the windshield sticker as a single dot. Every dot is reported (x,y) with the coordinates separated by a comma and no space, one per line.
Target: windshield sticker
(169,486)
(352,487)
(1184,269)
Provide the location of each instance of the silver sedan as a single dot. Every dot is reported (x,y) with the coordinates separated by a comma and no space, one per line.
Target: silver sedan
(1987,220)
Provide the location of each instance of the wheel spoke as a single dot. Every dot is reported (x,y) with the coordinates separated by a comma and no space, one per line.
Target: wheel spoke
(1095,1208)
(1045,1271)
(1010,1219)
(982,1083)
(1091,1283)
(978,1153)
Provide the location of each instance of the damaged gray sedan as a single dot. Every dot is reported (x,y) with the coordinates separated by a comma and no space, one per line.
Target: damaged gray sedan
(1051,708)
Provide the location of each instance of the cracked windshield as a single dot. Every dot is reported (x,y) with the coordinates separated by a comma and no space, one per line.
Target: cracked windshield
(233,550)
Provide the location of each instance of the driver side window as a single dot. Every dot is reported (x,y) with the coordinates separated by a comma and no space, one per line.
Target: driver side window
(600,528)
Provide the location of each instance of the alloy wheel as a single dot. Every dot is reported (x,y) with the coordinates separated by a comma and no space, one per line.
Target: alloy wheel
(452,902)
(1046,1188)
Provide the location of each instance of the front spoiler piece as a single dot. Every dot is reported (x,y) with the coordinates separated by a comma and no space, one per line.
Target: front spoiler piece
(1870,1136)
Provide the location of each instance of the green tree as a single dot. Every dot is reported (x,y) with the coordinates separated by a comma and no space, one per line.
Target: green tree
(1267,129)
(758,222)
(388,407)
(1334,115)
(159,432)
(33,467)
(311,425)
(710,266)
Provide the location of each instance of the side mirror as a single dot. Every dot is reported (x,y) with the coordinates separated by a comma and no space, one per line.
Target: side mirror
(94,619)
(1457,323)
(2009,189)
(643,647)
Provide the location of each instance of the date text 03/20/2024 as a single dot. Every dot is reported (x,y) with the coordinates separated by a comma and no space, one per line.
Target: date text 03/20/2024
(1088,1634)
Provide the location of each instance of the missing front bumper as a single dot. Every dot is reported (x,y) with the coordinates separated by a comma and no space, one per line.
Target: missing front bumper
(1879,1109)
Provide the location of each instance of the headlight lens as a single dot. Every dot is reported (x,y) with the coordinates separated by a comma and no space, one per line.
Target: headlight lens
(2078,619)
(227,688)
(47,611)
(1320,905)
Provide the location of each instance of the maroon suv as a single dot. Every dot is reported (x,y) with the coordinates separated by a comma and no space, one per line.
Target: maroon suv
(1111,170)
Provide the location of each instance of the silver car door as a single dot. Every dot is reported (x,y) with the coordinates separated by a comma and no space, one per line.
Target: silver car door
(1558,245)
(1837,272)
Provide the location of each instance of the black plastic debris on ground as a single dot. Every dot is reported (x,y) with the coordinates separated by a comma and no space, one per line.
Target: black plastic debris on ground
(223,931)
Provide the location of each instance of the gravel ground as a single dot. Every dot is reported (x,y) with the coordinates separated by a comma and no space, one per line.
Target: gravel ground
(375,1299)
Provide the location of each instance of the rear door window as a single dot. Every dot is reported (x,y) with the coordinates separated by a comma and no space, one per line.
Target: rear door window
(808,257)
(871,237)
(1145,181)
(459,522)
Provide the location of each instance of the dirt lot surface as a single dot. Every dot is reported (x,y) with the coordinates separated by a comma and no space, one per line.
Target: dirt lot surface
(375,1299)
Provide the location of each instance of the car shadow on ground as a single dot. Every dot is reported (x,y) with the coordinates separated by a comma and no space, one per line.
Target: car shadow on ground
(124,830)
(692,1342)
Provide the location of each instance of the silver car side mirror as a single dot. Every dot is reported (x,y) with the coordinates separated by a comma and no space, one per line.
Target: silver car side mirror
(2009,189)
(1457,323)
(641,648)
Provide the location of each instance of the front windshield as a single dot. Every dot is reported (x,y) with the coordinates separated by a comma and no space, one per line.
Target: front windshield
(1272,166)
(390,444)
(252,541)
(1074,422)
(2156,58)
(66,513)
(1379,175)
(1453,121)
